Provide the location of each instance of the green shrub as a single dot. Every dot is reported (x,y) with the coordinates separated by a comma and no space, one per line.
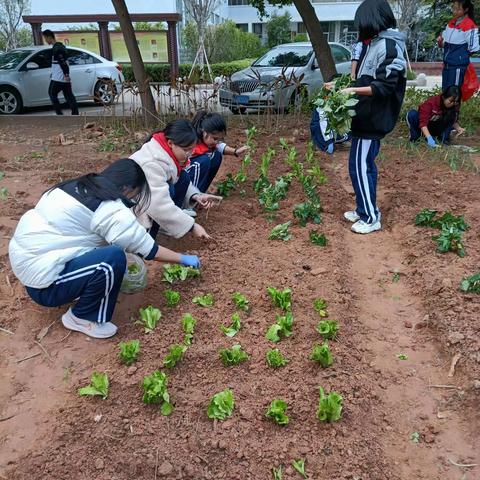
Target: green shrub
(160,72)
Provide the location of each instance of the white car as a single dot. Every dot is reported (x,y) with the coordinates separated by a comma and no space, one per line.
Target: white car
(25,77)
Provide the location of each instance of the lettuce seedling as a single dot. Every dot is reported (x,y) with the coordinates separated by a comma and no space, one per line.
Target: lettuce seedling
(282,328)
(188,324)
(277,473)
(174,356)
(283,143)
(241,301)
(129,351)
(320,306)
(149,318)
(155,391)
(172,298)
(450,220)
(471,284)
(318,239)
(204,300)
(299,466)
(276,411)
(425,217)
(307,212)
(281,299)
(221,405)
(317,174)
(224,188)
(322,355)
(133,269)
(329,407)
(98,386)
(275,359)
(172,273)
(235,328)
(338,106)
(281,232)
(233,356)
(328,329)
(450,240)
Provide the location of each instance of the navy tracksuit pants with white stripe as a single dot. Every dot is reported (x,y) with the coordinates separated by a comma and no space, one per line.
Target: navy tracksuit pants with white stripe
(202,169)
(452,75)
(94,278)
(363,173)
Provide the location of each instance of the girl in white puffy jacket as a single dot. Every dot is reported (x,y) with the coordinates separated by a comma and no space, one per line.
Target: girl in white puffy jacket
(72,245)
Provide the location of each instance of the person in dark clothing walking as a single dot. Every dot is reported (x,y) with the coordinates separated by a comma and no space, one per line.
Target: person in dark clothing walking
(60,79)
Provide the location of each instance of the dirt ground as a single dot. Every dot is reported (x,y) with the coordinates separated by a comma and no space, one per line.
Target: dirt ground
(391,293)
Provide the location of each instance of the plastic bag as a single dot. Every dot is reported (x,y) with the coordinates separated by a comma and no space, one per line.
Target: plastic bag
(135,278)
(470,83)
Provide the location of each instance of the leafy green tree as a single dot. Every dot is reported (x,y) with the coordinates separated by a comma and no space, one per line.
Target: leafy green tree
(301,37)
(278,29)
(223,43)
(314,29)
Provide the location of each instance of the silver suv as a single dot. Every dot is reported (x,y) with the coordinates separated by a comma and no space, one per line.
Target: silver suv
(25,77)
(276,78)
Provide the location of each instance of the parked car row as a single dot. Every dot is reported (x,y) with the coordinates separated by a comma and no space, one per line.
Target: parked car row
(25,77)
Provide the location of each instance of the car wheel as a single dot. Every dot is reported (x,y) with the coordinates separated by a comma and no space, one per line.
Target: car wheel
(298,99)
(104,93)
(10,101)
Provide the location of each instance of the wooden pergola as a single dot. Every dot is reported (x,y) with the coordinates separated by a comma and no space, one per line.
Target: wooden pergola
(103,20)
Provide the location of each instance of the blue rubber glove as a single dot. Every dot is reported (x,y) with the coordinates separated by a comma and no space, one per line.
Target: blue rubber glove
(190,261)
(431,142)
(330,148)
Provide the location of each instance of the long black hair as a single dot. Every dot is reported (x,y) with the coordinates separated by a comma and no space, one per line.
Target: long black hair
(450,114)
(204,121)
(373,17)
(111,183)
(468,7)
(180,132)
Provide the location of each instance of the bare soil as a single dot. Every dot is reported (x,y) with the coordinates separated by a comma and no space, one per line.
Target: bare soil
(391,293)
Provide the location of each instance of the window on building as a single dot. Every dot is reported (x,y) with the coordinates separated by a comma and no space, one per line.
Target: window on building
(301,27)
(258,29)
(328,30)
(153,41)
(236,3)
(242,26)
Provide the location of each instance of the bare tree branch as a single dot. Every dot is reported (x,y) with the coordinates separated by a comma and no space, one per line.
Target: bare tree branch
(11,12)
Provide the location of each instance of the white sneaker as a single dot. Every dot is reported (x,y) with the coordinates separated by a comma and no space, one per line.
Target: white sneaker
(363,227)
(351,216)
(190,211)
(92,329)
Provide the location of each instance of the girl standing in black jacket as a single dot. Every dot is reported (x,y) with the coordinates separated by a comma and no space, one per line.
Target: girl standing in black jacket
(380,87)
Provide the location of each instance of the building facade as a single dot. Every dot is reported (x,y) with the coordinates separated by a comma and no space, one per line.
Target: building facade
(336,18)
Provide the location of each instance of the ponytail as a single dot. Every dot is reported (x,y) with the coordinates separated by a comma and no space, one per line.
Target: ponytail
(204,121)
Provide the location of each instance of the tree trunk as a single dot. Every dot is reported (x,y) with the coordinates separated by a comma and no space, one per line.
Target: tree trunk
(138,67)
(318,39)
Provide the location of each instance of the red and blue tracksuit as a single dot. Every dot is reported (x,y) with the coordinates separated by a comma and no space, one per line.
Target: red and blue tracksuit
(460,41)
(204,164)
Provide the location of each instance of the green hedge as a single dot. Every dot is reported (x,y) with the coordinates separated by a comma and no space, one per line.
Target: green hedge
(161,72)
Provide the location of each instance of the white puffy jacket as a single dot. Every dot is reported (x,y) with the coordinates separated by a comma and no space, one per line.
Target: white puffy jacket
(60,228)
(161,171)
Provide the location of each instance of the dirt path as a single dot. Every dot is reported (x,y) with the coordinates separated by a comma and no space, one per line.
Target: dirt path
(423,432)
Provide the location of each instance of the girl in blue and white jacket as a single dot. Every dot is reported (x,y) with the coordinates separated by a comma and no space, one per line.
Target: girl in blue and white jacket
(72,245)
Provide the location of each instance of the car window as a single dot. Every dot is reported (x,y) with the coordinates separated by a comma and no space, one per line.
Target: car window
(285,57)
(76,57)
(43,58)
(11,60)
(340,54)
